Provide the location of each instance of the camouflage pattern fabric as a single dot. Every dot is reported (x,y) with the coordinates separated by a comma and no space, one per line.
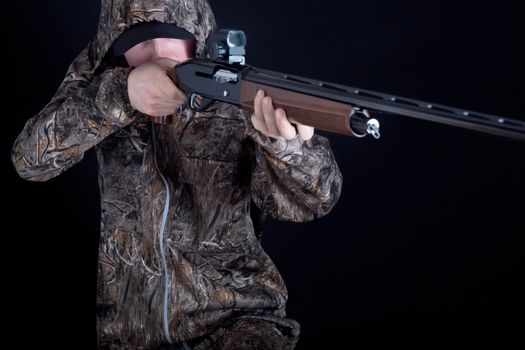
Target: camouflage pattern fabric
(224,177)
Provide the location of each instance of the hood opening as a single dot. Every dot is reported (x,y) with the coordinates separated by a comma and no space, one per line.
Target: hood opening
(116,16)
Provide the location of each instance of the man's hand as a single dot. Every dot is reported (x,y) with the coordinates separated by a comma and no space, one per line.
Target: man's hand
(151,91)
(273,122)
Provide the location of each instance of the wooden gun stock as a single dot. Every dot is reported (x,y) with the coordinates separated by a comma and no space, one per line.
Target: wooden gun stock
(304,109)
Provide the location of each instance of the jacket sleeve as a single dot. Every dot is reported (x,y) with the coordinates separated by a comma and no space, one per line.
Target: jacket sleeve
(294,180)
(84,111)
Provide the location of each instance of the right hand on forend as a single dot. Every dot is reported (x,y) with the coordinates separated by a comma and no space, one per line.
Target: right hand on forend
(151,91)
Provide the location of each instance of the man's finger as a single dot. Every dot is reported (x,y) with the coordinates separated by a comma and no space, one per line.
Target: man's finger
(269,117)
(259,124)
(286,129)
(166,63)
(305,132)
(257,103)
(180,95)
(257,117)
(168,89)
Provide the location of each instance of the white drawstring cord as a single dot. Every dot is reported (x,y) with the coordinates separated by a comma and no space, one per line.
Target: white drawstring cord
(162,230)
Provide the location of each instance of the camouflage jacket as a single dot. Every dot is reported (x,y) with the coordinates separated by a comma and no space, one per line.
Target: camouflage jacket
(222,176)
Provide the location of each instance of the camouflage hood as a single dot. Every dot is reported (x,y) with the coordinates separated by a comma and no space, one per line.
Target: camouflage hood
(116,16)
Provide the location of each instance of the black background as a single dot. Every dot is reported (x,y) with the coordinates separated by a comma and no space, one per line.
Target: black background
(423,250)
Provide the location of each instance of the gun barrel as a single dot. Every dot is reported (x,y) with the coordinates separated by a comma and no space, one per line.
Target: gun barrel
(382,103)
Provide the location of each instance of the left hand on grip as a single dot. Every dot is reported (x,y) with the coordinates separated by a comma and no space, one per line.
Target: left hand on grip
(151,91)
(274,123)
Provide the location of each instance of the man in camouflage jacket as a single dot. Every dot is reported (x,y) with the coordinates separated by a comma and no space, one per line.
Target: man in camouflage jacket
(218,288)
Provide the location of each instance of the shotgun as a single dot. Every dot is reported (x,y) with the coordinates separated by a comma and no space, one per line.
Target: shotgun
(340,109)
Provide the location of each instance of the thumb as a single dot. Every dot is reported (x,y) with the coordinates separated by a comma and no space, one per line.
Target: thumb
(166,63)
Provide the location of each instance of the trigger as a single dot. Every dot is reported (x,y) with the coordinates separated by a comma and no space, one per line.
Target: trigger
(199,103)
